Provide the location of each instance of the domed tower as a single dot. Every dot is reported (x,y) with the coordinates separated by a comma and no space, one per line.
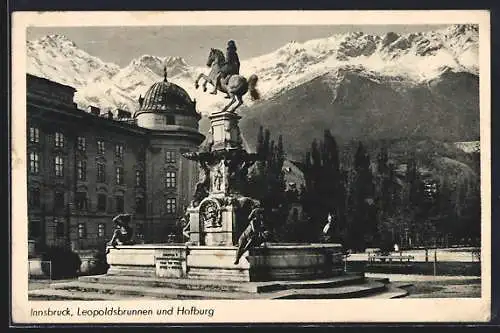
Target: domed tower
(170,114)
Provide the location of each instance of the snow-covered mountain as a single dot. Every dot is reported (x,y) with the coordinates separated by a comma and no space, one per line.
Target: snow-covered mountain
(411,59)
(57,58)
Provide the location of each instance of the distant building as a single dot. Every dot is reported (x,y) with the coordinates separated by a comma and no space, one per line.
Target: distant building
(84,167)
(293,174)
(469,147)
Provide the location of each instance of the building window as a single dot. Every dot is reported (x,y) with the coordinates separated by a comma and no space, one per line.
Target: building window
(34,228)
(170,179)
(119,175)
(101,149)
(34,163)
(59,140)
(170,120)
(82,143)
(82,230)
(101,172)
(119,151)
(81,168)
(101,230)
(59,200)
(34,198)
(34,135)
(81,200)
(59,228)
(59,166)
(170,157)
(101,202)
(139,230)
(139,178)
(140,205)
(119,204)
(170,205)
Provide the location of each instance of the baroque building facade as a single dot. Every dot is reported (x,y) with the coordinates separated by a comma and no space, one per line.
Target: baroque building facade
(84,168)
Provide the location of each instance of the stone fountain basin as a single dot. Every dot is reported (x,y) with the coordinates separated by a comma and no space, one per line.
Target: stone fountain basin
(271,261)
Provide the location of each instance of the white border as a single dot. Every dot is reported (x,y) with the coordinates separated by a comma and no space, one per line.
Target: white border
(317,311)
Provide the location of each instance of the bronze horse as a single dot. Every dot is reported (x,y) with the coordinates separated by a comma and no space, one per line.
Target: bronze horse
(234,85)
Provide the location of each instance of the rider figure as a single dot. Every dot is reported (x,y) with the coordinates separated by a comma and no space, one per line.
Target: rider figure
(231,67)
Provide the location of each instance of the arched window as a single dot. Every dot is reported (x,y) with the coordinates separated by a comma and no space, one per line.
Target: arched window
(170,205)
(139,178)
(59,140)
(82,170)
(34,135)
(81,201)
(120,203)
(140,205)
(119,151)
(119,176)
(170,179)
(101,172)
(82,231)
(59,199)
(101,148)
(82,143)
(34,198)
(101,202)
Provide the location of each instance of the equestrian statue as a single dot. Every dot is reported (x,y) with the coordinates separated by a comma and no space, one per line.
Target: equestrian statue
(225,77)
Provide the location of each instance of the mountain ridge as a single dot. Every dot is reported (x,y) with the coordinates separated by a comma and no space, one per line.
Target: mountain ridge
(413,57)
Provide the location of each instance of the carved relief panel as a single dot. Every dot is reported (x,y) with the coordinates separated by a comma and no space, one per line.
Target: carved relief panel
(210,214)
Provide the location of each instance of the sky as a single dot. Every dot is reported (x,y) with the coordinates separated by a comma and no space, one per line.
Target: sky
(120,45)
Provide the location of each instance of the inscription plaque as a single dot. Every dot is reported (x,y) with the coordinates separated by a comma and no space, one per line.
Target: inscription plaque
(171,263)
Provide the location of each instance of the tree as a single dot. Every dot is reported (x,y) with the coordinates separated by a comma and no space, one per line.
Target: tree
(325,189)
(362,228)
(266,180)
(332,189)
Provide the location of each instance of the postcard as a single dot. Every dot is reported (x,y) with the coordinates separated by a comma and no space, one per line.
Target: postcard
(251,167)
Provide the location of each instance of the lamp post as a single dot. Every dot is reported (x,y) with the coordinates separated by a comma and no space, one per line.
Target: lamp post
(431,193)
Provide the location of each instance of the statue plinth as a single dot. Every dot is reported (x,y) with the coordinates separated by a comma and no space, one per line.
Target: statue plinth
(225,131)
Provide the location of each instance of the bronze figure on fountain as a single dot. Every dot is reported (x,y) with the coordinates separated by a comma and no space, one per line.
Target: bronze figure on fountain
(224,76)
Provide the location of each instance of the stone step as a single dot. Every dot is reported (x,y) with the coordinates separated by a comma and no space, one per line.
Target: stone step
(351,291)
(217,285)
(83,290)
(391,292)
(51,294)
(150,292)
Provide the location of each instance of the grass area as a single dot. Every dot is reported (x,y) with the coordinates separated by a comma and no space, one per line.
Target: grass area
(44,283)
(445,289)
(425,268)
